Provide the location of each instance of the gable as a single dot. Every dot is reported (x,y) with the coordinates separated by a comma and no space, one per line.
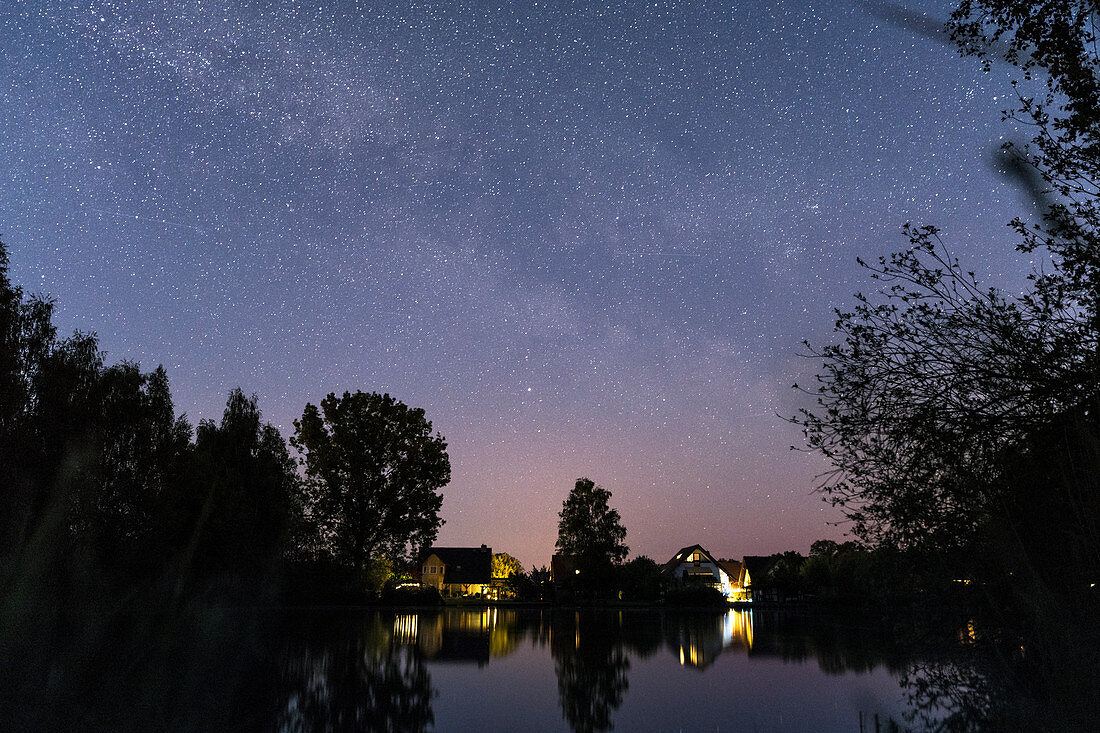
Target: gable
(755,568)
(689,556)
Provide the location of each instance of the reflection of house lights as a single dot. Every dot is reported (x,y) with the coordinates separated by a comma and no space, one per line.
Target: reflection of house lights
(692,657)
(737,627)
(405,628)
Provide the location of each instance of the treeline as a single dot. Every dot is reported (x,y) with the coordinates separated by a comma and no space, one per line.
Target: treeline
(845,575)
(639,580)
(853,575)
(105,490)
(105,484)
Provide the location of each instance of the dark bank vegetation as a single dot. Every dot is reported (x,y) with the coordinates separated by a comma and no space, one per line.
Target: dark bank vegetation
(138,553)
(110,503)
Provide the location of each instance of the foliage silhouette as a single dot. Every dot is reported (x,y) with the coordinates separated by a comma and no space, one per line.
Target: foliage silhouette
(374,470)
(961,422)
(591,532)
(237,505)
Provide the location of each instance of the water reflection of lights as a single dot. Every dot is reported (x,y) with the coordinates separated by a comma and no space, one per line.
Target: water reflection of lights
(737,628)
(405,628)
(692,657)
(700,648)
(970,634)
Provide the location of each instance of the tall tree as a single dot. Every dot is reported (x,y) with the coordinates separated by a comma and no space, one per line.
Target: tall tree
(140,447)
(589,529)
(1055,41)
(375,470)
(504,565)
(236,508)
(955,415)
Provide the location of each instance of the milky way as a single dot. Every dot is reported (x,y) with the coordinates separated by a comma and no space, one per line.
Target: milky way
(588,239)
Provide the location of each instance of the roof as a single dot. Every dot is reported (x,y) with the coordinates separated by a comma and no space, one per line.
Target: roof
(463,565)
(682,556)
(562,567)
(757,566)
(732,568)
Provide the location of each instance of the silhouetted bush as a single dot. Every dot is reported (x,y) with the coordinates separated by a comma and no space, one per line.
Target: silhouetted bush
(695,595)
(322,583)
(411,595)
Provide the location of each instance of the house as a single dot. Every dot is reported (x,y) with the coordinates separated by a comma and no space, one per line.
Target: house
(563,576)
(562,570)
(693,564)
(754,578)
(733,569)
(458,571)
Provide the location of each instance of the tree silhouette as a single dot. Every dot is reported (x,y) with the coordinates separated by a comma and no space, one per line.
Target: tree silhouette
(938,387)
(233,511)
(592,670)
(374,469)
(591,532)
(958,418)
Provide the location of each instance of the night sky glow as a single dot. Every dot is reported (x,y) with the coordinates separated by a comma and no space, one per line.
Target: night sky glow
(587,238)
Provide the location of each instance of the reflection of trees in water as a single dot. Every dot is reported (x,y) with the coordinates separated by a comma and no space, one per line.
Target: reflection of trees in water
(837,646)
(591,667)
(641,631)
(213,670)
(947,695)
(340,677)
(986,679)
(197,670)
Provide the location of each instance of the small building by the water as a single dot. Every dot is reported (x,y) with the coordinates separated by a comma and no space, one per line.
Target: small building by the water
(754,578)
(458,571)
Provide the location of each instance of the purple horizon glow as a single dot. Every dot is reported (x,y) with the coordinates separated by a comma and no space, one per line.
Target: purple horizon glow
(587,239)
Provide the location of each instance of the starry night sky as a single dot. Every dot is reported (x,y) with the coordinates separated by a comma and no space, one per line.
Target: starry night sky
(587,238)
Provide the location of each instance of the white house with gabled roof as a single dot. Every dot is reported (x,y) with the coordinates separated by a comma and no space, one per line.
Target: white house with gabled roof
(693,564)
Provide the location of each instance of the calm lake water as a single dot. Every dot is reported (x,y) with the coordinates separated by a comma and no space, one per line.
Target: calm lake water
(496,669)
(456,669)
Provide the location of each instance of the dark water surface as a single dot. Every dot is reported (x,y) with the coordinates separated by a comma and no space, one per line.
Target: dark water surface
(453,669)
(589,670)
